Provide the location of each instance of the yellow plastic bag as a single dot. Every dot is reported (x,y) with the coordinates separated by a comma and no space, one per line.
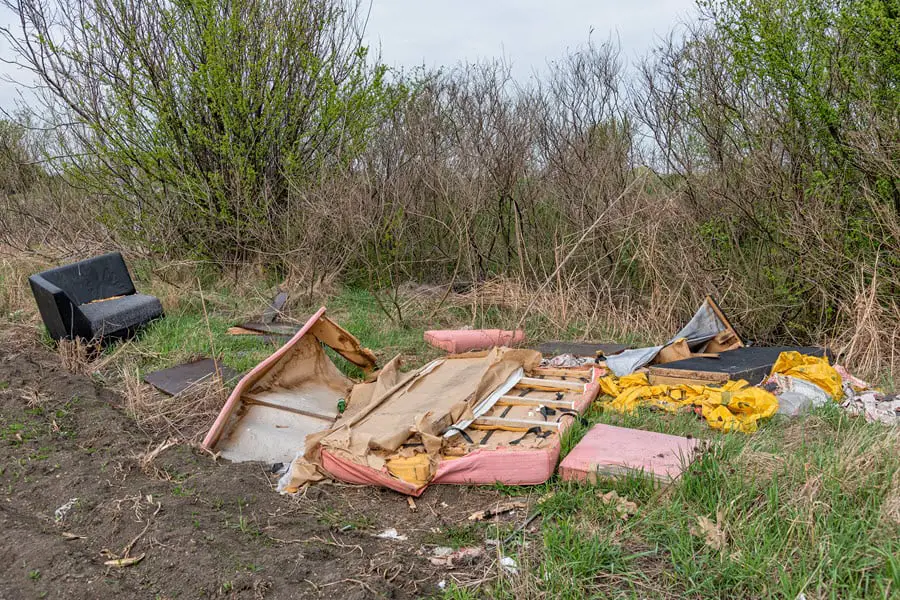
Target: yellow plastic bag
(735,406)
(813,369)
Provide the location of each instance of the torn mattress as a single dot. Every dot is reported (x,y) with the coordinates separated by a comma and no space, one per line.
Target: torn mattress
(468,419)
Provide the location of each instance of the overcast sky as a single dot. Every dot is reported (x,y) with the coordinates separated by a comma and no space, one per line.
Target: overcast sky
(528,33)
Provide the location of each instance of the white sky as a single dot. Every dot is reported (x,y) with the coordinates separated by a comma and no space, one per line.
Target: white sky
(528,33)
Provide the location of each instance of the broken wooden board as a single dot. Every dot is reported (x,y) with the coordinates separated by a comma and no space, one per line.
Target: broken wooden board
(751,364)
(271,328)
(272,312)
(608,451)
(176,380)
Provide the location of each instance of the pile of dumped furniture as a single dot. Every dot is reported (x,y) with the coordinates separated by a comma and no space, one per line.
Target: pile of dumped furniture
(482,414)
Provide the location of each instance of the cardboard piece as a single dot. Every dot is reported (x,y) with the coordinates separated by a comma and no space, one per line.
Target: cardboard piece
(177,379)
(608,451)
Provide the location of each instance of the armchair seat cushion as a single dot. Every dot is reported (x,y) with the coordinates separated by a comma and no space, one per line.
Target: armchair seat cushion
(118,315)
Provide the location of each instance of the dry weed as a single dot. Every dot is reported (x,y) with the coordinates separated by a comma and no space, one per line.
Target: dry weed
(146,460)
(759,466)
(890,508)
(186,416)
(870,341)
(77,356)
(859,456)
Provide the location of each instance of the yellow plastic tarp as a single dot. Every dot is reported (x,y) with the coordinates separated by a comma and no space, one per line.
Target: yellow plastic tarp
(735,406)
(813,369)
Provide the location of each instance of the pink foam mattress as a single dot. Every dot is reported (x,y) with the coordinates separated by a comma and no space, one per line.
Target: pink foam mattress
(607,450)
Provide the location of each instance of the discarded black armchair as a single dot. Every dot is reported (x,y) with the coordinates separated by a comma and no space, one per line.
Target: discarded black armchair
(93,299)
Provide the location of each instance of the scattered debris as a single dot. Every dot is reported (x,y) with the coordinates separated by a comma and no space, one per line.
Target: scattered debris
(63,510)
(795,395)
(72,536)
(568,361)
(509,565)
(875,407)
(273,310)
(391,534)
(124,562)
(592,350)
(708,331)
(500,509)
(623,506)
(527,521)
(712,532)
(275,329)
(412,503)
(443,556)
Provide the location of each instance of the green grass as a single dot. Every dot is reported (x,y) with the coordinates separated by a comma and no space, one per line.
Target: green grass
(808,506)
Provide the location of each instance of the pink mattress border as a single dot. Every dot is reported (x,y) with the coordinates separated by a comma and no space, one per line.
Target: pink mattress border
(234,400)
(482,467)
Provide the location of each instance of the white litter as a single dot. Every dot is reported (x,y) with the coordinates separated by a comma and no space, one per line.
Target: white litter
(63,510)
(509,565)
(391,534)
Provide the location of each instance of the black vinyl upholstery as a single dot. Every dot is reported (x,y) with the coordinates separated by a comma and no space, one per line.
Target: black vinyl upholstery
(69,299)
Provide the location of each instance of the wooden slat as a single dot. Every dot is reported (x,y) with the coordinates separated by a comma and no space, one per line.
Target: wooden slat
(574,373)
(262,401)
(724,319)
(695,377)
(520,401)
(501,422)
(552,385)
(663,380)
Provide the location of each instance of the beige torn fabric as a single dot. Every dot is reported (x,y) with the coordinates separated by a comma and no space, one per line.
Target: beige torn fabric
(343,342)
(305,362)
(384,414)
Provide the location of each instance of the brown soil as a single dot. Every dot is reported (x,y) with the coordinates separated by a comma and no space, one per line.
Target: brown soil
(205,528)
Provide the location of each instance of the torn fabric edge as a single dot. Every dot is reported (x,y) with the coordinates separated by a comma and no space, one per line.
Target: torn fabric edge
(706,323)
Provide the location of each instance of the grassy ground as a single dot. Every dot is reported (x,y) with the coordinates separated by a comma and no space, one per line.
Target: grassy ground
(806,506)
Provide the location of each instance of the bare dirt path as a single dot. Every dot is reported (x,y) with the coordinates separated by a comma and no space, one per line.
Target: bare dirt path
(204,528)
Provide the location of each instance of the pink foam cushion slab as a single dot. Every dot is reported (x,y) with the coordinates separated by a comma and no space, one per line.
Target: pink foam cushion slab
(608,450)
(467,340)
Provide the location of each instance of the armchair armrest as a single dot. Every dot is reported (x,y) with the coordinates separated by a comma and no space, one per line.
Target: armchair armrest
(61,315)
